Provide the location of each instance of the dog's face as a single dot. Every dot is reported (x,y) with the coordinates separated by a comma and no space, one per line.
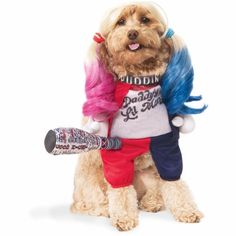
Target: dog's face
(135,36)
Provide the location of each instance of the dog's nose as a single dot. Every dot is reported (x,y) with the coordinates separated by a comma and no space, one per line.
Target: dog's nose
(132,34)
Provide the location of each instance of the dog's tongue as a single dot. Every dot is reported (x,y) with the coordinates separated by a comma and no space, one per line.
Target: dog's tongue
(133,46)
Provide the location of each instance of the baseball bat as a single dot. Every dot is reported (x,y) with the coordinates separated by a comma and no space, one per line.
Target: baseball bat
(72,140)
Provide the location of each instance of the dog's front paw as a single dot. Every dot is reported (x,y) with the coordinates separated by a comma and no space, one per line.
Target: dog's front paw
(123,207)
(125,223)
(188,216)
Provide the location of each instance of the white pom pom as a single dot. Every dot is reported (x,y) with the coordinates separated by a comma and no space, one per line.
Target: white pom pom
(103,129)
(188,126)
(178,121)
(91,126)
(95,126)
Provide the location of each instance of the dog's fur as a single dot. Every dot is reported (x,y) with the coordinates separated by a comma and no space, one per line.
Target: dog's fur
(92,194)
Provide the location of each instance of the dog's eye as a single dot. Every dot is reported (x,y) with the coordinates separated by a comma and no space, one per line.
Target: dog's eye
(121,22)
(144,20)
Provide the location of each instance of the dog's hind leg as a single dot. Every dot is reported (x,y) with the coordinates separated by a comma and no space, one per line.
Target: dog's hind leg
(90,188)
(147,185)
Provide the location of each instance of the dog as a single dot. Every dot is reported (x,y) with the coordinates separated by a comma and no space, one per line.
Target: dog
(134,45)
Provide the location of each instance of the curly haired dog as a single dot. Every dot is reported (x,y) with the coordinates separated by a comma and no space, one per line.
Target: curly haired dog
(135,57)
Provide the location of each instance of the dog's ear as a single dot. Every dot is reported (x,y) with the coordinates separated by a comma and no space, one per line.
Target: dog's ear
(104,56)
(160,28)
(166,50)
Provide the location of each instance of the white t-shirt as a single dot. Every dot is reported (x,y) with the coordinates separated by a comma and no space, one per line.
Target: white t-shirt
(142,115)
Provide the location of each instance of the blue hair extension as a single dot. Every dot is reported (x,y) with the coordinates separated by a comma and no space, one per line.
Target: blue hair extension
(177,84)
(194,98)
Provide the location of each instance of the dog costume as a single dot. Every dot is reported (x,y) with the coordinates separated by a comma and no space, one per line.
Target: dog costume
(140,107)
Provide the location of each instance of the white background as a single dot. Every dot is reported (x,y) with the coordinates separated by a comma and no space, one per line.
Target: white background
(42,47)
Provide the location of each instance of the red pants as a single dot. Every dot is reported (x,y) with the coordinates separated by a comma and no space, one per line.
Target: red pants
(119,164)
(165,151)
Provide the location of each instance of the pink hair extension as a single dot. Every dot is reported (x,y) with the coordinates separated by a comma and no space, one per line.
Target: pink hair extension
(99,87)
